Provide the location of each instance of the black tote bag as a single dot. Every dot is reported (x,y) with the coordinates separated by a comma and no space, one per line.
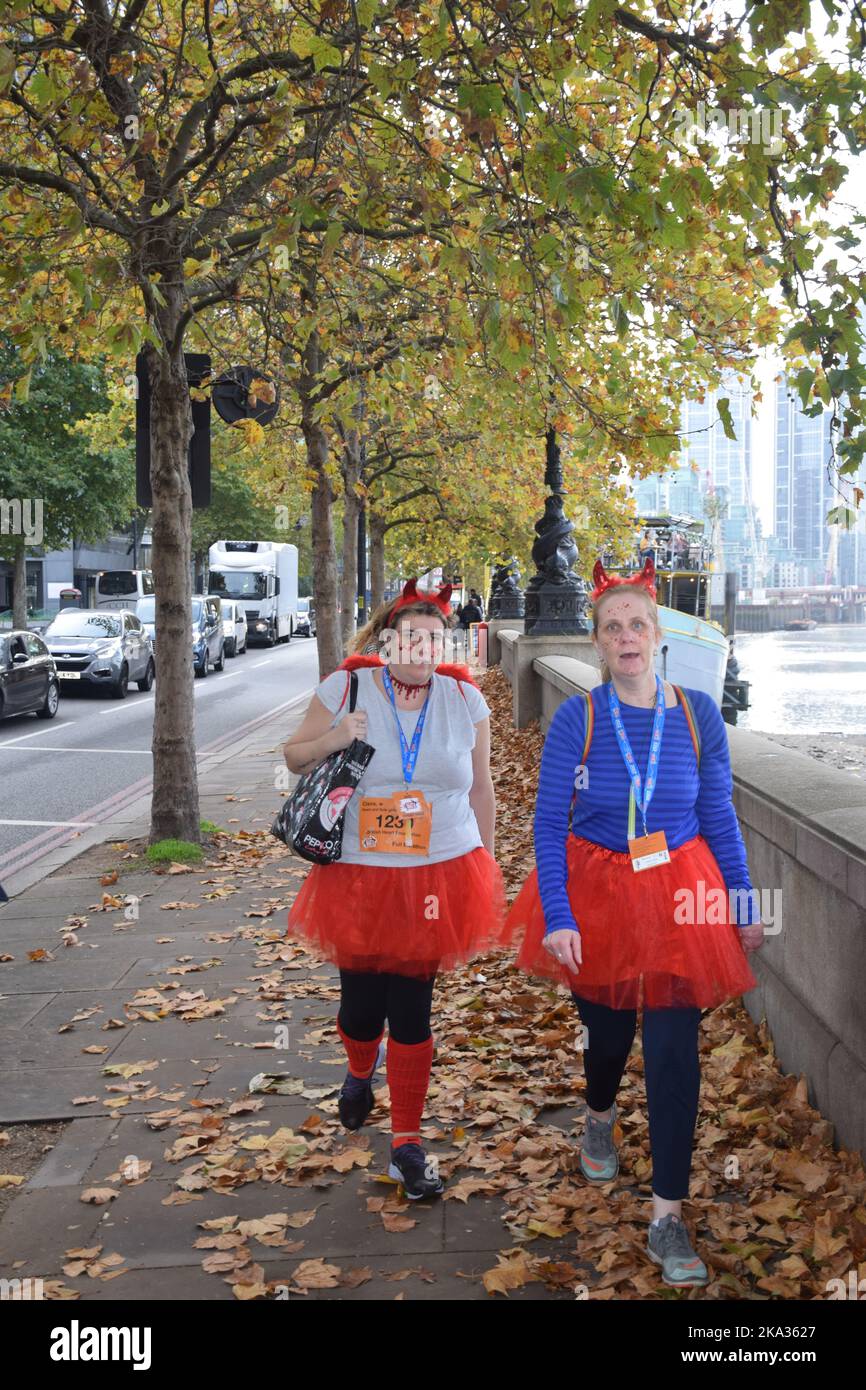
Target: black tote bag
(310,821)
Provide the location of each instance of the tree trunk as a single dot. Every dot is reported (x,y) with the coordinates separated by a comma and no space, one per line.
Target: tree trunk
(175,807)
(324,554)
(351,509)
(19,588)
(324,551)
(377,558)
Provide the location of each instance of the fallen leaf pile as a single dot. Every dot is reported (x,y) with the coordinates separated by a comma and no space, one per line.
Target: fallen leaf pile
(775,1211)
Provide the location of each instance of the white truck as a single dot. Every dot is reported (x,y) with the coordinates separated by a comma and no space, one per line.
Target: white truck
(263,577)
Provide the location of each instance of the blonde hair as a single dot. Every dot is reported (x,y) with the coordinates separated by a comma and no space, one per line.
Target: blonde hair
(617,589)
(367,638)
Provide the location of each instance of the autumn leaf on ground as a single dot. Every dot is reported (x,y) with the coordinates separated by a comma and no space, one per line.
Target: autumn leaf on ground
(512,1272)
(316,1274)
(98,1195)
(394,1221)
(128,1069)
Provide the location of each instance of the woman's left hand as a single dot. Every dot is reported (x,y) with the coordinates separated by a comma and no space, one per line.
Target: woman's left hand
(752,938)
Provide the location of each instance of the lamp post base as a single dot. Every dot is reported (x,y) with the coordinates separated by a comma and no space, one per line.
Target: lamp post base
(553,610)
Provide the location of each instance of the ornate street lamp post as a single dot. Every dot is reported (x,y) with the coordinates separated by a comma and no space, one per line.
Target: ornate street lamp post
(506,596)
(556,598)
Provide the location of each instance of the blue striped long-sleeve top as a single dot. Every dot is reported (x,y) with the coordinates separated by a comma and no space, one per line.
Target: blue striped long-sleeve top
(684,804)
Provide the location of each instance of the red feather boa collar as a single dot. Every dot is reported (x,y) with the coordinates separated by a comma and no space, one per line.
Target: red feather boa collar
(447,668)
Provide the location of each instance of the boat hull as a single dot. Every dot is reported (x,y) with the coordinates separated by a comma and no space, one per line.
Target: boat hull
(692,653)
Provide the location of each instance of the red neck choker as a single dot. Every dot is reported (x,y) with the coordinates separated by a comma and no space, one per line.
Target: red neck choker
(405,687)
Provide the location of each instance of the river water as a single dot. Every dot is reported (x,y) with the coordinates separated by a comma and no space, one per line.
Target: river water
(805,682)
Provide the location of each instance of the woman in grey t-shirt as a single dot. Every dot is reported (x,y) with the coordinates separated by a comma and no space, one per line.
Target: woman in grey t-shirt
(417,890)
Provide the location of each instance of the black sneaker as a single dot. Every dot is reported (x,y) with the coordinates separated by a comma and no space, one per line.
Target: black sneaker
(356,1095)
(418,1172)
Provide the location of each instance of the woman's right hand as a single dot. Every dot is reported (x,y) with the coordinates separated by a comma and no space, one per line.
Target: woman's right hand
(350,727)
(564,946)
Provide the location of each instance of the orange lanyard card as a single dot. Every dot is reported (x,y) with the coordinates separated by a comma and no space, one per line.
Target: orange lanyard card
(648,851)
(395,824)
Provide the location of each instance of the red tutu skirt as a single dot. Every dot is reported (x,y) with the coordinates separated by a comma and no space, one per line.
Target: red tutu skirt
(420,920)
(635,949)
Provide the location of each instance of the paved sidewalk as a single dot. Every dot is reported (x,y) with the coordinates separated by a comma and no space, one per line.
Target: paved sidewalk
(173,1181)
(193,1002)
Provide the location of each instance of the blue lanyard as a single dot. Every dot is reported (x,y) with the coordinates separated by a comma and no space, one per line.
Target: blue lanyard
(408,751)
(649,784)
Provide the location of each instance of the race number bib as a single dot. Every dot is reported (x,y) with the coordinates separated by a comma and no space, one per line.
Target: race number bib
(395,824)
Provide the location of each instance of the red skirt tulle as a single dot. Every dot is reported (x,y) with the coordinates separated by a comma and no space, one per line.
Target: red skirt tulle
(633,949)
(420,921)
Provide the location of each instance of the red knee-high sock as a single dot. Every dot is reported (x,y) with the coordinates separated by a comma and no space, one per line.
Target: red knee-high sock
(361,1055)
(408,1079)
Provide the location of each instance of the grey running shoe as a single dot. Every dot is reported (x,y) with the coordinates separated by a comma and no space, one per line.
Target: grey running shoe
(598,1157)
(669,1246)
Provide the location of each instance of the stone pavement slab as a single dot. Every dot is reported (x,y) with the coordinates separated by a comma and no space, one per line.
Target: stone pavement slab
(280,1021)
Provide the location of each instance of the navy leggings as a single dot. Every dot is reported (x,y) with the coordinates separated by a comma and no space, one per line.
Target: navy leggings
(369,999)
(671,1071)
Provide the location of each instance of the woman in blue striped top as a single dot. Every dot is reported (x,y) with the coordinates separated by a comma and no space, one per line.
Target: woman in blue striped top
(648,901)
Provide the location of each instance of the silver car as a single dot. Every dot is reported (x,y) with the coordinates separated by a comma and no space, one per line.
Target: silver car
(234,625)
(100,647)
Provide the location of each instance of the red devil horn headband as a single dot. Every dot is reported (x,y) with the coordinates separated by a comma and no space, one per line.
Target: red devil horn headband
(645,580)
(412,594)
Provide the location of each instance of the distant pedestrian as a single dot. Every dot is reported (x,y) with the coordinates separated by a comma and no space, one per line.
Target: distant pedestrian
(469,613)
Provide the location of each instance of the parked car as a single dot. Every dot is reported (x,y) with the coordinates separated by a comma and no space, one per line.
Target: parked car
(28,676)
(234,626)
(101,647)
(305,624)
(208,640)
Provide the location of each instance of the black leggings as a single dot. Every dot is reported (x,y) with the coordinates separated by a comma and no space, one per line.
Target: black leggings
(369,999)
(671,1073)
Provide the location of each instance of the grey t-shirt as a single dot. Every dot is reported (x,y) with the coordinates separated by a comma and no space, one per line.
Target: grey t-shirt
(443,771)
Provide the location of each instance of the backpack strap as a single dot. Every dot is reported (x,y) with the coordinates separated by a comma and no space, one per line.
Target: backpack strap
(691,720)
(590,723)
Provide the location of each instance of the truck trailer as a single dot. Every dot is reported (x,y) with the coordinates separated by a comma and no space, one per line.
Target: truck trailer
(263,577)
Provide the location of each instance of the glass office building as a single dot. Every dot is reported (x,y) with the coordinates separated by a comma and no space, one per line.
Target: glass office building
(804,494)
(709,461)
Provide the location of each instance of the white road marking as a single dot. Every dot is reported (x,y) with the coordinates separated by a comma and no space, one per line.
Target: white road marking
(83,823)
(266,662)
(37,733)
(37,748)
